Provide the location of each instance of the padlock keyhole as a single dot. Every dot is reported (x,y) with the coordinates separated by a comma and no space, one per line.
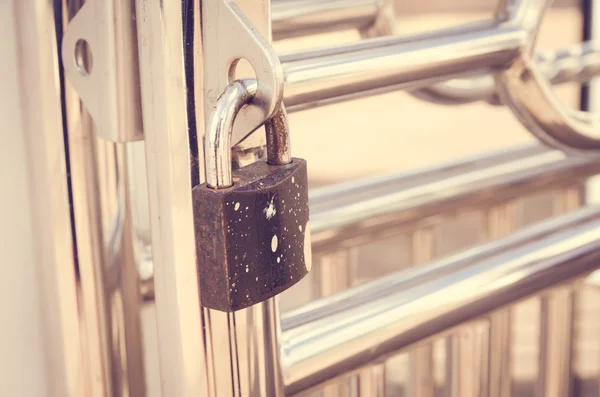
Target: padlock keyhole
(241,69)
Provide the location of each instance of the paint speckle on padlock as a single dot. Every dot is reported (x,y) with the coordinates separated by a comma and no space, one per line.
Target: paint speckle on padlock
(237,206)
(274,242)
(307,248)
(270,209)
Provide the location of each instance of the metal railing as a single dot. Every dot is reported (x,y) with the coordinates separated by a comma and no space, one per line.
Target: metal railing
(376,320)
(131,210)
(361,212)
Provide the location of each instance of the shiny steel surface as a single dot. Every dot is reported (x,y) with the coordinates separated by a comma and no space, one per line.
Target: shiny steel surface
(57,371)
(390,319)
(376,65)
(179,332)
(579,62)
(505,43)
(228,35)
(524,89)
(502,220)
(293,18)
(109,289)
(362,209)
(106,78)
(217,140)
(510,174)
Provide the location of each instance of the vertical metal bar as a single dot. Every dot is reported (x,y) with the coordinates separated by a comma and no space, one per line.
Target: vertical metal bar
(335,274)
(109,284)
(501,222)
(35,28)
(555,357)
(499,354)
(371,381)
(590,101)
(481,365)
(203,352)
(422,382)
(557,320)
(170,163)
(471,362)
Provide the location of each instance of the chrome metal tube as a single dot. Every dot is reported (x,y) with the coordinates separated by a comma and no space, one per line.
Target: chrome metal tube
(577,63)
(314,78)
(178,325)
(532,174)
(217,141)
(293,18)
(387,320)
(42,336)
(365,209)
(109,290)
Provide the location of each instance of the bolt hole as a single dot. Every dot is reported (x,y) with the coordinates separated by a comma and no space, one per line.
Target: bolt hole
(83,57)
(241,69)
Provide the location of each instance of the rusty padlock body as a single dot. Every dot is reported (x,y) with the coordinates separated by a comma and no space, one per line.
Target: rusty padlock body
(253,239)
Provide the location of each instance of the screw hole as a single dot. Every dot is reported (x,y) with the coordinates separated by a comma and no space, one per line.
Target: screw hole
(241,69)
(83,57)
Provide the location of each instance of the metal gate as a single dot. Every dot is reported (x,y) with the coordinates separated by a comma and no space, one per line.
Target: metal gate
(475,278)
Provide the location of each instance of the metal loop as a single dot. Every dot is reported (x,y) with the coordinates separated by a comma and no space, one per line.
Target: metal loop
(524,88)
(228,36)
(217,141)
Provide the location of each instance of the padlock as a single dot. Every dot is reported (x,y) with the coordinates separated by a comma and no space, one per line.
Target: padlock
(253,237)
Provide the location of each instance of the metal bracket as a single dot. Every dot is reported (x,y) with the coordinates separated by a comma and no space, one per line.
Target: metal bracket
(100,58)
(228,36)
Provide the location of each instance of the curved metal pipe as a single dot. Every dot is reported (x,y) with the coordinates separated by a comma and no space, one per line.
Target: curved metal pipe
(524,89)
(217,141)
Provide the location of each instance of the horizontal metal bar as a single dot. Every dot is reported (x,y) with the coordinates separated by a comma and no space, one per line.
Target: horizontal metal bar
(364,208)
(371,66)
(293,18)
(396,312)
(360,210)
(577,63)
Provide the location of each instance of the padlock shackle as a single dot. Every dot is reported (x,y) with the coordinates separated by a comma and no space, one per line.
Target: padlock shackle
(278,138)
(217,141)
